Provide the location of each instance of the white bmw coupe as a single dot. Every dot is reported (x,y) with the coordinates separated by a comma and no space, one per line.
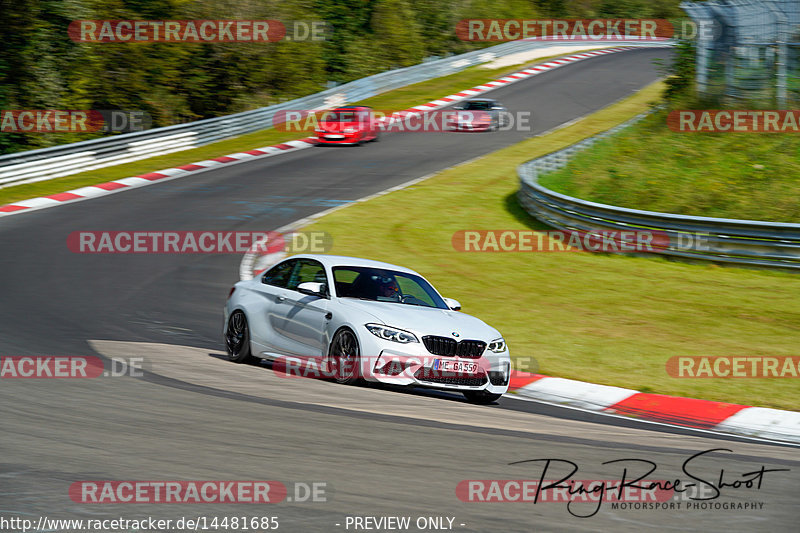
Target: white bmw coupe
(356,319)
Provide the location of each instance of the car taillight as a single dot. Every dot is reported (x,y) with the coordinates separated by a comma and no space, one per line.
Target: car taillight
(231,292)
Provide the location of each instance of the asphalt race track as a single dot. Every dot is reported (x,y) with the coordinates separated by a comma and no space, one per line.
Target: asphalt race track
(380,452)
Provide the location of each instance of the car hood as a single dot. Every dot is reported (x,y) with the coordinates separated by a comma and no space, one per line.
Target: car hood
(425,320)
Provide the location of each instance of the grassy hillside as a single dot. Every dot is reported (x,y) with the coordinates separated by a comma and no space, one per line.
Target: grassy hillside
(730,175)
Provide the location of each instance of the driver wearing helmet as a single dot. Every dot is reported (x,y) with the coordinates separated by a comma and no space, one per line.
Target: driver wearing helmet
(388,290)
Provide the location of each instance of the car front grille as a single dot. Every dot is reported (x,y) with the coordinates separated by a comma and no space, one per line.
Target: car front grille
(452,348)
(449,378)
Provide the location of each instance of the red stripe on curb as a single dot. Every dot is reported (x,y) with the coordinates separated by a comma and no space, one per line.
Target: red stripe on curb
(152,176)
(283,146)
(189,167)
(63,197)
(10,208)
(223,159)
(110,186)
(520,379)
(676,410)
(255,152)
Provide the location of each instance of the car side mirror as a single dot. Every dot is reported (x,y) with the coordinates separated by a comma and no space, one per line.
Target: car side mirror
(313,288)
(452,304)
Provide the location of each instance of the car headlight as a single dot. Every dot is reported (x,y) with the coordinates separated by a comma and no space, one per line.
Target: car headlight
(391,334)
(497,345)
(349,130)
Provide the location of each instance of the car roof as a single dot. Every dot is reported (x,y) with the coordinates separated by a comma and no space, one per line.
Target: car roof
(331,261)
(481,100)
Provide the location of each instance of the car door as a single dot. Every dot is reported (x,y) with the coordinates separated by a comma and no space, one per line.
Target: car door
(299,319)
(261,306)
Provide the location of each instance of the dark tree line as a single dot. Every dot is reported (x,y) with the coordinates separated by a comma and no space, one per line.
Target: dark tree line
(42,68)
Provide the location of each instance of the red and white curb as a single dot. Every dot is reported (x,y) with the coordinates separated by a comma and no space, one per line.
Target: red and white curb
(759,422)
(93,191)
(506,80)
(111,187)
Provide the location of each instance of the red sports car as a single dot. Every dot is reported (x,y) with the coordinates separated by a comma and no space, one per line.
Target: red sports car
(348,125)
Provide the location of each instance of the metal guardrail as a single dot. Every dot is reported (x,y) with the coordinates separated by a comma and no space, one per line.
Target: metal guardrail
(740,242)
(63,160)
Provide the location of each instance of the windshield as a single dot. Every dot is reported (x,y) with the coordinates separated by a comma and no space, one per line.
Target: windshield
(478,105)
(382,285)
(343,116)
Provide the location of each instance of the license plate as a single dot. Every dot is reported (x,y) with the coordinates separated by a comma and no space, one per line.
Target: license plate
(461,367)
(334,136)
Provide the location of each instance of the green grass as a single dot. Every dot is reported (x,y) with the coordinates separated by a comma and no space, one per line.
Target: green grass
(398,99)
(729,175)
(607,319)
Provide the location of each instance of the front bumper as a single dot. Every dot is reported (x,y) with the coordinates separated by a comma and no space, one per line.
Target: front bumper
(471,127)
(340,138)
(412,365)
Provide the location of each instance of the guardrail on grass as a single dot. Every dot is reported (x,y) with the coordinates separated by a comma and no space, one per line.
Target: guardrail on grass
(740,242)
(64,160)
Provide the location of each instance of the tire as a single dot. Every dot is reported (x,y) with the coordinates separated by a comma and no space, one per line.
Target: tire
(237,338)
(481,397)
(344,358)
